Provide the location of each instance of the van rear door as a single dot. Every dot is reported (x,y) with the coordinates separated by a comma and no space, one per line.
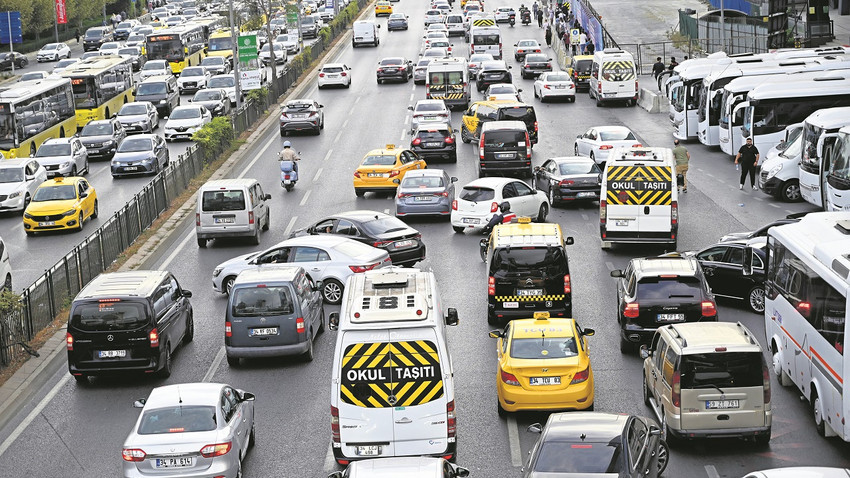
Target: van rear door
(110,334)
(618,79)
(641,197)
(223,210)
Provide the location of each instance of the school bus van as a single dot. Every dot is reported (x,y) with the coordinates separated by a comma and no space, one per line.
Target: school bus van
(639,199)
(392,391)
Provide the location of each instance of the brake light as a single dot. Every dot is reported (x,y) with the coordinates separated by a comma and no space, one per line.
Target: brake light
(393,173)
(636,86)
(344,74)
(359,269)
(335,425)
(637,145)
(547,87)
(416,142)
(603,212)
(218,449)
(250,217)
(631,310)
(197,219)
(228,329)
(285,176)
(605,147)
(451,421)
(528,145)
(566,182)
(708,309)
(283,115)
(572,86)
(357,174)
(509,378)
(494,206)
(677,389)
(548,65)
(444,194)
(299,325)
(535,126)
(581,376)
(491,285)
(454,205)
(154,337)
(568,288)
(321,75)
(69,341)
(380,70)
(481,148)
(599,87)
(133,454)
(381,243)
(449,140)
(805,309)
(765,382)
(674,213)
(404,195)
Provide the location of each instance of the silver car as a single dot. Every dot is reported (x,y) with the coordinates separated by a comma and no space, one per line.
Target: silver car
(63,157)
(429,111)
(475,61)
(420,71)
(425,192)
(138,117)
(406,466)
(190,429)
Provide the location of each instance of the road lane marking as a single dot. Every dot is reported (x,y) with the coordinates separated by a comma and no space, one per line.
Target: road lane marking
(773,205)
(214,365)
(513,439)
(413,87)
(387,211)
(345,123)
(357,100)
(789,211)
(34,413)
(328,155)
(176,251)
(318,175)
(289,226)
(338,135)
(610,266)
(585,217)
(304,199)
(254,161)
(403,133)
(411,96)
(711,471)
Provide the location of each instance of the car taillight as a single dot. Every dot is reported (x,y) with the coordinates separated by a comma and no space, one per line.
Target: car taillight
(637,145)
(548,65)
(568,287)
(299,325)
(449,140)
(285,176)
(491,285)
(451,421)
(765,374)
(197,219)
(603,212)
(677,389)
(494,206)
(380,70)
(572,86)
(250,217)
(416,142)
(547,87)
(217,449)
(509,378)
(344,74)
(335,425)
(359,269)
(133,454)
(357,174)
(631,310)
(404,195)
(535,126)
(481,147)
(394,173)
(321,75)
(283,115)
(566,182)
(381,243)
(444,194)
(69,341)
(708,309)
(674,213)
(528,145)
(228,329)
(154,338)
(605,147)
(599,87)
(454,205)
(581,376)
(637,88)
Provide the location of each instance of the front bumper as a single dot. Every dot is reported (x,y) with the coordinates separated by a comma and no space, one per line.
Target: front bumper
(768,186)
(130,169)
(137,127)
(171,134)
(52,56)
(62,223)
(101,151)
(514,398)
(12,204)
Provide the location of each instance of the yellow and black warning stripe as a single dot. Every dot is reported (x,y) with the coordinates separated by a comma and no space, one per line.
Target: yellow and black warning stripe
(447,96)
(640,185)
(391,374)
(528,298)
(484,22)
(618,70)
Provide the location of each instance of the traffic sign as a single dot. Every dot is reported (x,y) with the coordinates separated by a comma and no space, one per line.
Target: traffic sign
(292,17)
(10,27)
(247,47)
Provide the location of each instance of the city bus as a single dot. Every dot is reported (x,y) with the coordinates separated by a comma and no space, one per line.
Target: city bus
(806,289)
(221,44)
(101,85)
(182,46)
(819,163)
(33,111)
(210,25)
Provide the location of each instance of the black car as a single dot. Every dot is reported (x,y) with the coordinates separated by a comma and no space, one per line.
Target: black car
(213,99)
(397,21)
(569,179)
(435,140)
(134,53)
(723,266)
(656,291)
(597,444)
(492,72)
(762,231)
(95,37)
(535,64)
(377,229)
(395,68)
(10,57)
(101,137)
(123,30)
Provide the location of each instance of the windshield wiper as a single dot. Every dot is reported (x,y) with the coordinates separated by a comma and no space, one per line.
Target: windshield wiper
(671,296)
(709,385)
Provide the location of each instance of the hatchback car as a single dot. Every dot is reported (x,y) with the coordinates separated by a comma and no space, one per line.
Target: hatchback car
(63,157)
(155,68)
(33,75)
(428,192)
(142,154)
(334,74)
(583,444)
(479,200)
(289,42)
(53,52)
(216,65)
(433,16)
(377,229)
(185,121)
(407,466)
(394,68)
(432,140)
(381,170)
(534,64)
(503,91)
(475,61)
(280,54)
(568,179)
(492,72)
(110,48)
(524,47)
(101,137)
(597,142)
(554,85)
(60,203)
(189,429)
(301,115)
(19,180)
(215,100)
(397,21)
(138,117)
(7,59)
(429,111)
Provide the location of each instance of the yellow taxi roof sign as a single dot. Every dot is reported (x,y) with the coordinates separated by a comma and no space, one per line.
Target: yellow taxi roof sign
(390,146)
(524,220)
(541,315)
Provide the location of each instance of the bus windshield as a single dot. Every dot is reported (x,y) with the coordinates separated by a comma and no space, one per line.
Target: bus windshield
(220,44)
(841,153)
(171,49)
(85,92)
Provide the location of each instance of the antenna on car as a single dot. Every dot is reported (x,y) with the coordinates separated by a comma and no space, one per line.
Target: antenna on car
(179,397)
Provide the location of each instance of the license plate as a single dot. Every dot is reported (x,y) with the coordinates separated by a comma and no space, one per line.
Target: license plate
(504,155)
(469,220)
(405,243)
(333,76)
(607,95)
(529,292)
(131,168)
(287,181)
(622,222)
(587,195)
(433,145)
(300,116)
(223,220)
(375,175)
(263,331)
(671,317)
(368,450)
(510,305)
(430,118)
(111,353)
(47,223)
(722,404)
(544,381)
(174,462)
(560,87)
(422,198)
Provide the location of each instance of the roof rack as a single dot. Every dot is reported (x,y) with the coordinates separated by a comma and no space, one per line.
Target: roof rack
(679,337)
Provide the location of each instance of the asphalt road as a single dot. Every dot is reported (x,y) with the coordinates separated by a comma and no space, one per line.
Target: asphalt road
(82,427)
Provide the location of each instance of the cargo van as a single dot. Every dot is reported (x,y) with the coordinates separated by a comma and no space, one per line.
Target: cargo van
(639,199)
(231,208)
(454,24)
(392,380)
(486,40)
(365,32)
(613,77)
(447,79)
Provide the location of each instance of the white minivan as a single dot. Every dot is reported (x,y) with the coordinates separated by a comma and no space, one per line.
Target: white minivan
(231,208)
(365,32)
(392,391)
(613,77)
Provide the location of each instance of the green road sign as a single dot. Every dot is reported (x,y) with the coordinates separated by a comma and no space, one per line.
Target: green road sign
(247,47)
(292,17)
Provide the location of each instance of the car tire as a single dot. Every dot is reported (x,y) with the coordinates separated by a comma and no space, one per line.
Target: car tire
(817,414)
(379,81)
(202,242)
(227,284)
(255,239)
(321,321)
(282,133)
(790,191)
(778,372)
(458,229)
(755,299)
(663,456)
(551,196)
(359,193)
(252,438)
(268,222)
(543,212)
(464,135)
(571,99)
(348,85)
(165,371)
(332,290)
(94,212)
(190,329)
(233,362)
(87,169)
(81,222)
(309,355)
(501,411)
(646,394)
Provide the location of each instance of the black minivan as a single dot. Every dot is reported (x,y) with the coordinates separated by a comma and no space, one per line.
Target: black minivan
(504,148)
(128,321)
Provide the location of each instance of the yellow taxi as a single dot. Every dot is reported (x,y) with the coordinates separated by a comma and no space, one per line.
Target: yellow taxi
(383,7)
(60,203)
(543,365)
(157,25)
(383,169)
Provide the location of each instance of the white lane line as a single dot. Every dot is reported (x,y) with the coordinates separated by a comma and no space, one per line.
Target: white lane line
(330,461)
(345,123)
(413,87)
(289,226)
(411,97)
(403,133)
(253,161)
(709,175)
(318,175)
(610,266)
(328,154)
(513,439)
(338,135)
(357,100)
(177,250)
(759,198)
(711,471)
(789,211)
(772,205)
(214,365)
(304,199)
(34,413)
(585,217)
(406,119)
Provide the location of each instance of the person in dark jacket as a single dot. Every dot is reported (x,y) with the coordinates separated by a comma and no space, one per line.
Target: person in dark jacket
(657,67)
(673,63)
(548,36)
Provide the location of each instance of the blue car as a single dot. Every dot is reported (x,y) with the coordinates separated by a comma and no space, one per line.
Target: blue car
(425,192)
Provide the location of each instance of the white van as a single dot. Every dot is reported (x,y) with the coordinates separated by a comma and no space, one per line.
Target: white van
(454,24)
(639,199)
(392,390)
(448,80)
(365,32)
(485,40)
(613,77)
(231,208)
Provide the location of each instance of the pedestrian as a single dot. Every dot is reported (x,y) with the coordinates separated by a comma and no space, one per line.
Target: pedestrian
(535,8)
(590,48)
(657,67)
(682,157)
(123,15)
(539,15)
(582,42)
(673,63)
(748,156)
(77,34)
(548,34)
(686,58)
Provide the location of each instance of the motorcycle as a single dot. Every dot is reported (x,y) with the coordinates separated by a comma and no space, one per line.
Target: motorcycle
(512,19)
(526,17)
(288,175)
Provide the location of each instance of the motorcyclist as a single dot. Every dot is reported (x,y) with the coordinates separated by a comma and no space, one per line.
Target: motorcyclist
(288,154)
(504,216)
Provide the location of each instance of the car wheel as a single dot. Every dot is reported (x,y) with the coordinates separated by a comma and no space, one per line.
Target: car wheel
(80,222)
(464,135)
(756,299)
(165,371)
(87,169)
(202,242)
(379,81)
(551,196)
(252,438)
(332,291)
(321,321)
(268,221)
(543,212)
(359,193)
(94,212)
(27,200)
(646,393)
(228,284)
(663,456)
(572,99)
(501,411)
(190,329)
(255,240)
(780,375)
(233,361)
(762,440)
(817,413)
(790,191)
(592,156)
(625,346)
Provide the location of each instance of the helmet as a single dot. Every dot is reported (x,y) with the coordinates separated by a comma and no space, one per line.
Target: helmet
(287,144)
(505,206)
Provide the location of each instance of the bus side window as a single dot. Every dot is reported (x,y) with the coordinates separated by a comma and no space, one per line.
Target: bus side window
(828,313)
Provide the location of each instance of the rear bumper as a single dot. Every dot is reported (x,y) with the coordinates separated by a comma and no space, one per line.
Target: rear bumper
(441,208)
(563,194)
(152,364)
(409,256)
(450,454)
(497,311)
(721,432)
(299,126)
(270,351)
(242,232)
(638,237)
(574,397)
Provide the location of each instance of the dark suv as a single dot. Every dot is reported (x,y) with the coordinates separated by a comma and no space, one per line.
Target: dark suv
(656,291)
(504,148)
(101,137)
(435,140)
(95,37)
(492,72)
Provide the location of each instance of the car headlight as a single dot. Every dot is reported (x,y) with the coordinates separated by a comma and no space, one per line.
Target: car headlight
(217,271)
(162,102)
(15,194)
(28,215)
(65,164)
(774,171)
(69,212)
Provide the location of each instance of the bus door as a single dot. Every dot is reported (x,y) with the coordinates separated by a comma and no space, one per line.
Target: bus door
(825,148)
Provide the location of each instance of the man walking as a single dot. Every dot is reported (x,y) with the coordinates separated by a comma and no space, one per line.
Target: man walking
(548,34)
(539,15)
(749,160)
(657,68)
(582,42)
(682,157)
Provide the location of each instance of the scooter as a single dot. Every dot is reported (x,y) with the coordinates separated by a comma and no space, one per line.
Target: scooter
(526,17)
(512,19)
(288,175)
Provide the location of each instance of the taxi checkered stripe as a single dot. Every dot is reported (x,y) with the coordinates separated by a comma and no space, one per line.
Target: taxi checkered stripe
(378,361)
(620,65)
(639,197)
(484,22)
(528,298)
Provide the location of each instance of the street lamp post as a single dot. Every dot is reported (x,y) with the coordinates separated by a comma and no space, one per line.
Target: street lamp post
(235,47)
(722,27)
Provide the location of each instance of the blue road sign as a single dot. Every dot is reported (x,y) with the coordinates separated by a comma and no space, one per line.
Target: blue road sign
(10,26)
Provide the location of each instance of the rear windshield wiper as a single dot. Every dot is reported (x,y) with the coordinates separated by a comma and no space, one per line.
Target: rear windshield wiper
(709,385)
(672,296)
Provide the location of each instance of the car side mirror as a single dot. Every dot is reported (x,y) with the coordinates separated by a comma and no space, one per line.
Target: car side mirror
(534,428)
(190,100)
(186,293)
(267,197)
(509,67)
(453,179)
(496,334)
(246,396)
(30,178)
(617,273)
(579,136)
(570,240)
(589,332)
(451,316)
(519,90)
(140,403)
(645,352)
(655,431)
(550,59)
(379,27)
(321,106)
(333,321)
(84,195)
(410,108)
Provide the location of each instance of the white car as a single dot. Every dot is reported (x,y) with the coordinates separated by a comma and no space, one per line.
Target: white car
(185,120)
(479,200)
(227,83)
(334,74)
(475,61)
(438,43)
(503,91)
(438,27)
(406,466)
(19,178)
(192,79)
(64,65)
(436,53)
(279,53)
(330,259)
(434,111)
(433,36)
(33,75)
(801,472)
(155,68)
(289,42)
(524,47)
(503,14)
(53,52)
(110,48)
(433,16)
(554,84)
(5,267)
(63,156)
(135,39)
(597,142)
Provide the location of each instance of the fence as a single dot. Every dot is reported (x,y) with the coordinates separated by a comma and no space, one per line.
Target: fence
(41,302)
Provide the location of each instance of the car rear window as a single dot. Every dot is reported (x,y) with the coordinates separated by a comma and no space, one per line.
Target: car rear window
(379,160)
(48,150)
(589,167)
(660,288)
(722,370)
(430,107)
(584,457)
(180,419)
(422,182)
(616,135)
(256,301)
(298,107)
(433,134)
(108,315)
(544,348)
(504,139)
(520,113)
(233,200)
(332,69)
(383,225)
(476,194)
(548,261)
(486,39)
(583,66)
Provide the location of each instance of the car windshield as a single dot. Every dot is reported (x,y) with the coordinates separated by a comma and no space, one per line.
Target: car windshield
(154,65)
(527,43)
(185,113)
(48,150)
(476,194)
(422,182)
(547,261)
(135,38)
(584,167)
(128,110)
(94,34)
(125,25)
(207,95)
(383,225)
(544,347)
(108,315)
(617,135)
(228,82)
(662,289)
(212,61)
(379,160)
(504,139)
(192,72)
(11,175)
(259,301)
(557,77)
(179,419)
(50,46)
(134,145)
(102,129)
(727,369)
(55,193)
(66,62)
(432,134)
(158,88)
(584,457)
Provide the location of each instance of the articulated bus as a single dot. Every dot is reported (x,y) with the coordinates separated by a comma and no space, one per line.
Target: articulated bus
(182,46)
(101,85)
(221,44)
(33,111)
(806,292)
